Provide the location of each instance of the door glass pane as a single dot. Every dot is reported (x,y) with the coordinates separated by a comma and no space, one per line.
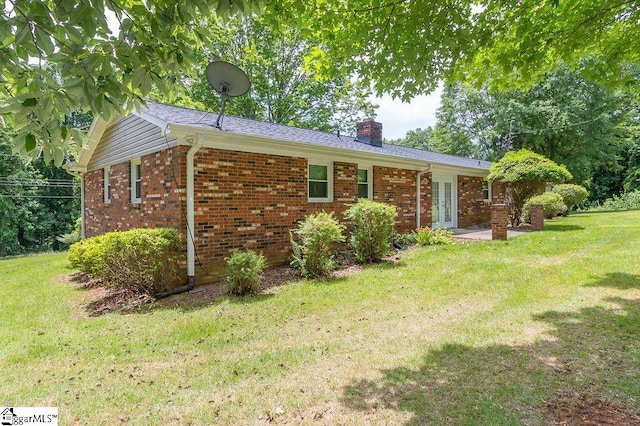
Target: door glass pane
(447,201)
(435,202)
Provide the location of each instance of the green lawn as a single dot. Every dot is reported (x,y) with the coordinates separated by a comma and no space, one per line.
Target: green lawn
(495,332)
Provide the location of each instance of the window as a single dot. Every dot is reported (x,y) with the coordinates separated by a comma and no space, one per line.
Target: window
(136,181)
(486,190)
(320,182)
(364,183)
(107,184)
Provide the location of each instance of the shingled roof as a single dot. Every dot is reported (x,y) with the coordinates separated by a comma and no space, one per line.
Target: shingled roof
(206,120)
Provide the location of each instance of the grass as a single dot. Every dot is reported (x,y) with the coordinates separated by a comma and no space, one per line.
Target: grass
(482,333)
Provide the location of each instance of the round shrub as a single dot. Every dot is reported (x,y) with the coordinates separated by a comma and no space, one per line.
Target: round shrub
(139,260)
(313,241)
(572,195)
(243,272)
(552,205)
(373,229)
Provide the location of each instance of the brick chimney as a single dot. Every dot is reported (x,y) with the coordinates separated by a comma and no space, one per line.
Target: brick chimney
(370,132)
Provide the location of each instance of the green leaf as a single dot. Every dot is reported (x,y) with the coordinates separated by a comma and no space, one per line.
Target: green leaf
(30,102)
(30,142)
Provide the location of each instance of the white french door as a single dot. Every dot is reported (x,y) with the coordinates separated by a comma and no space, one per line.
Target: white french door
(444,202)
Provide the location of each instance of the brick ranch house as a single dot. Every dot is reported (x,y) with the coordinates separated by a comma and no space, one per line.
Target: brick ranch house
(246,185)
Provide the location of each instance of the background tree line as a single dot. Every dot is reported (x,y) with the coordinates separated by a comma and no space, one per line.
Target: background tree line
(589,127)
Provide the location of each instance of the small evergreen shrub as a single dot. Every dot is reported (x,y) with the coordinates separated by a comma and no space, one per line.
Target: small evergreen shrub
(243,272)
(312,243)
(139,260)
(572,195)
(552,205)
(373,229)
(427,236)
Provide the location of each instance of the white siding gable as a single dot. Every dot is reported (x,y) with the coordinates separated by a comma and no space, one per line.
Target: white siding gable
(129,138)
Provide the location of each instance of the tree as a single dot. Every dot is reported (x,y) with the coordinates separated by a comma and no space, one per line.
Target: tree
(573,121)
(101,69)
(406,47)
(37,203)
(401,47)
(525,174)
(417,138)
(282,89)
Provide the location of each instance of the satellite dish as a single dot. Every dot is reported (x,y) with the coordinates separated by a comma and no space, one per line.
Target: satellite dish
(228,80)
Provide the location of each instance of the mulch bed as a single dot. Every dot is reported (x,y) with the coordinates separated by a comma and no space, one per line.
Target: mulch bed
(106,300)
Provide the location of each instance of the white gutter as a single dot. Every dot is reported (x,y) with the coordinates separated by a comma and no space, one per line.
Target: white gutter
(419,195)
(191,246)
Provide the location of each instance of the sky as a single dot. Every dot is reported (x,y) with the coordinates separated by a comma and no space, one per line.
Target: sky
(399,117)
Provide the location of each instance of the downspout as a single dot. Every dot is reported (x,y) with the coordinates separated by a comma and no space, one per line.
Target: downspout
(191,244)
(419,195)
(82,233)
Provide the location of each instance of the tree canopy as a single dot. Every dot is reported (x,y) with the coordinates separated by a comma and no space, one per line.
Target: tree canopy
(584,125)
(282,89)
(400,47)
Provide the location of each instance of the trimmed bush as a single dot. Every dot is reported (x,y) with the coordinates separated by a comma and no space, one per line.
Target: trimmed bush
(313,241)
(572,195)
(552,205)
(140,260)
(427,236)
(243,272)
(373,229)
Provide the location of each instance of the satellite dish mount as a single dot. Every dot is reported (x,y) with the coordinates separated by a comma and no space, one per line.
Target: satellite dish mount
(228,81)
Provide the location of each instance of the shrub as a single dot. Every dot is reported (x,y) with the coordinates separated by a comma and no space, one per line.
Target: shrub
(427,236)
(525,174)
(373,229)
(405,240)
(140,260)
(626,201)
(552,205)
(243,272)
(316,236)
(73,236)
(572,195)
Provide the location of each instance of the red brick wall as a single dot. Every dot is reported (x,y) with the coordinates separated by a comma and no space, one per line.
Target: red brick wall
(244,200)
(472,209)
(398,187)
(160,204)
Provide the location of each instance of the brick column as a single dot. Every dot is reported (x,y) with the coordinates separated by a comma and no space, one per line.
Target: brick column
(499,216)
(537,217)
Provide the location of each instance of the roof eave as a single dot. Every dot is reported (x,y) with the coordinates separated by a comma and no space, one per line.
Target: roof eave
(217,138)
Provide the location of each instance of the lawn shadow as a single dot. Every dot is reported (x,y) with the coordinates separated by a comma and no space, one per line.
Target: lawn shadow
(561,227)
(619,280)
(584,368)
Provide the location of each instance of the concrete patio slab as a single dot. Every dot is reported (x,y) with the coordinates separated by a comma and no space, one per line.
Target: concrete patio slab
(480,234)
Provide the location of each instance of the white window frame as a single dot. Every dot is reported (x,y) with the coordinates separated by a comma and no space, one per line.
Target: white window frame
(489,194)
(135,179)
(329,166)
(369,170)
(107,184)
